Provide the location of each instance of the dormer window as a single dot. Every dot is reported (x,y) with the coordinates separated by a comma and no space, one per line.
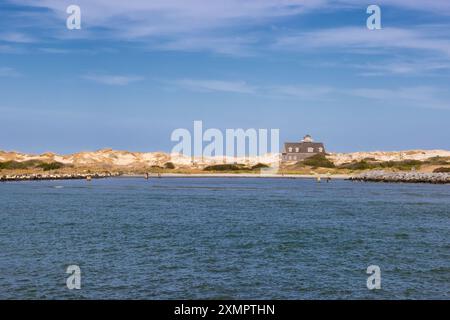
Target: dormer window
(290,149)
(320,149)
(310,149)
(296,149)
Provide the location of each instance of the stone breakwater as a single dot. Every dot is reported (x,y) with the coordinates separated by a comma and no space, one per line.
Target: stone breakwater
(55,176)
(411,177)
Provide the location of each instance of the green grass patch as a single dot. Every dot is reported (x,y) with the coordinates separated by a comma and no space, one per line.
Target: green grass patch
(318,161)
(438,161)
(226,167)
(357,165)
(31,164)
(51,166)
(404,165)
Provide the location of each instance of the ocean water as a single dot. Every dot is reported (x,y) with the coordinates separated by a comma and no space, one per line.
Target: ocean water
(222,238)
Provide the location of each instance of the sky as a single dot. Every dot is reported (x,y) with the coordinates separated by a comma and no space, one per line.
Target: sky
(137,70)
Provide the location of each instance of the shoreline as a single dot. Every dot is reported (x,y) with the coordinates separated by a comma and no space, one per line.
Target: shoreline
(238,175)
(373,176)
(49,177)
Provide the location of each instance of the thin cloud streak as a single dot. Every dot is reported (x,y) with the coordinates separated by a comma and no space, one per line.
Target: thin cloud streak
(225,45)
(400,68)
(112,80)
(16,37)
(417,96)
(216,86)
(352,39)
(8,72)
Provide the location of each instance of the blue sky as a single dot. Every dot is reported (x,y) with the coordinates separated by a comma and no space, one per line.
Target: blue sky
(137,70)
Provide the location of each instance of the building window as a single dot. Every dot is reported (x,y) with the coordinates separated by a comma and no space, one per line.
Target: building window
(320,149)
(310,149)
(290,149)
(296,149)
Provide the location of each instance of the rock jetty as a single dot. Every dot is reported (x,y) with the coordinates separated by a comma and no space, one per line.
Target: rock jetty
(56,176)
(411,177)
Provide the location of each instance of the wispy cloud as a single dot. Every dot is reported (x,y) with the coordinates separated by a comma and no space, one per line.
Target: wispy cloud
(8,49)
(413,96)
(9,72)
(216,86)
(157,17)
(419,96)
(302,92)
(199,25)
(440,7)
(227,45)
(182,25)
(16,37)
(113,80)
(403,96)
(54,50)
(396,65)
(353,39)
(404,68)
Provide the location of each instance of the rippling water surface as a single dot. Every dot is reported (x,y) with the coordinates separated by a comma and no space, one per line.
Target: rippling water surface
(182,238)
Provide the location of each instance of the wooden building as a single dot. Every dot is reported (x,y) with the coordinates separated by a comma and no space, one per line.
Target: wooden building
(298,151)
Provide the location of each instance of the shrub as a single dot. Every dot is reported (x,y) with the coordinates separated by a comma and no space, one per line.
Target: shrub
(169,165)
(438,160)
(155,169)
(401,165)
(9,165)
(51,166)
(357,165)
(260,166)
(364,165)
(318,160)
(19,165)
(441,170)
(225,167)
(29,164)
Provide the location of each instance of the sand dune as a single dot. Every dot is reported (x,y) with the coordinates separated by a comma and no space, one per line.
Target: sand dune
(116,158)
